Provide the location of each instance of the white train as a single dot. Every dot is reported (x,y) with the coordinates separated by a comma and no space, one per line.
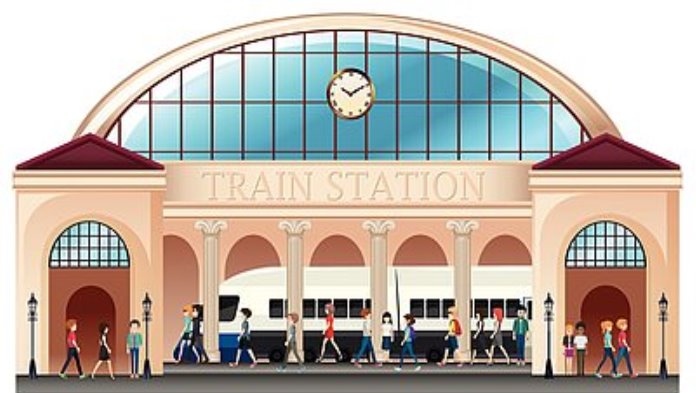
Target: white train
(425,292)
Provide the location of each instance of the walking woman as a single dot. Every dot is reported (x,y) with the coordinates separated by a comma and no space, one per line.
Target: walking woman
(387,336)
(407,343)
(245,340)
(497,336)
(104,351)
(187,335)
(609,350)
(366,340)
(196,336)
(569,348)
(479,340)
(73,350)
(328,333)
(454,330)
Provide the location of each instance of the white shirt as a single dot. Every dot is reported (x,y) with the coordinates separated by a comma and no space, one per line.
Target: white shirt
(367,327)
(387,330)
(580,342)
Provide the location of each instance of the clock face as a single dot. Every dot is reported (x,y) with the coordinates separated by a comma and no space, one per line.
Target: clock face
(350,93)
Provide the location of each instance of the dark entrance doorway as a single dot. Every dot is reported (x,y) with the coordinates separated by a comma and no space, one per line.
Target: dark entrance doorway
(602,303)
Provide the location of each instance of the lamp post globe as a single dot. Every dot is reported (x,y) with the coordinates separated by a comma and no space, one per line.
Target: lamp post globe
(32,304)
(548,317)
(147,316)
(663,304)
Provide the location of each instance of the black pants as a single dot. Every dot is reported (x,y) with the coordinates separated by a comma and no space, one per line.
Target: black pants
(580,354)
(198,343)
(72,353)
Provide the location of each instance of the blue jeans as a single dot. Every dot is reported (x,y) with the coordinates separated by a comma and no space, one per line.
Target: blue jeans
(408,347)
(134,360)
(607,355)
(623,353)
(520,347)
(365,346)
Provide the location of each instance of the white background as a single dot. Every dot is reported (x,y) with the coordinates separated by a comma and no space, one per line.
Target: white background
(58,58)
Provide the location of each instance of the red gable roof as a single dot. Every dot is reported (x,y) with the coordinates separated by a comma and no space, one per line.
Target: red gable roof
(607,152)
(89,152)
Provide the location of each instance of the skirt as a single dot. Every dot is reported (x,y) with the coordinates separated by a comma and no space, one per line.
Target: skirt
(386,343)
(569,352)
(104,354)
(498,339)
(244,343)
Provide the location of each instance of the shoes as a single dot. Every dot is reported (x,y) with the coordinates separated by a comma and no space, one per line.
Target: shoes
(398,369)
(113,378)
(634,375)
(357,364)
(441,364)
(318,360)
(302,369)
(417,368)
(280,369)
(92,376)
(233,365)
(598,375)
(83,376)
(616,376)
(252,365)
(63,376)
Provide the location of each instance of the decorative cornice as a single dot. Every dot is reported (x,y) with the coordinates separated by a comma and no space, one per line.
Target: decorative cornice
(378,227)
(210,227)
(294,227)
(462,227)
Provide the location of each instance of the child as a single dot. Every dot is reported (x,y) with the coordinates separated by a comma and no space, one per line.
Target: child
(624,348)
(407,343)
(134,341)
(187,334)
(497,336)
(104,351)
(366,340)
(608,350)
(580,347)
(520,329)
(329,333)
(568,348)
(387,335)
(291,342)
(73,350)
(454,330)
(245,340)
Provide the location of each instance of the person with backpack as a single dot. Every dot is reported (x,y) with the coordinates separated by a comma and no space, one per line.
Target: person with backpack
(520,330)
(407,343)
(454,330)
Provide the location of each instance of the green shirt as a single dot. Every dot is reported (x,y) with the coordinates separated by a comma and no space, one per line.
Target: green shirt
(134,340)
(607,340)
(520,326)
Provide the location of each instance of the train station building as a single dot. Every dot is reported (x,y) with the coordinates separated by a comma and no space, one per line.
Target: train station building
(344,140)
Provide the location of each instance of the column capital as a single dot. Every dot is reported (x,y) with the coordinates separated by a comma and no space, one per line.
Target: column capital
(462,227)
(294,227)
(210,227)
(378,227)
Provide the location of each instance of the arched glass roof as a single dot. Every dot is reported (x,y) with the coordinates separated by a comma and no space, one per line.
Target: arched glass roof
(266,100)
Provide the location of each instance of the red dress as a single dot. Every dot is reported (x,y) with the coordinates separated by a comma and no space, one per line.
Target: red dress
(330,329)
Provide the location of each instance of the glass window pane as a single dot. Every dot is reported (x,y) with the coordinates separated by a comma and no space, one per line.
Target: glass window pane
(288,77)
(505,82)
(441,47)
(289,127)
(227,84)
(136,129)
(351,138)
(320,42)
(197,80)
(227,127)
(474,127)
(320,129)
(533,91)
(196,127)
(566,131)
(382,72)
(412,124)
(409,44)
(412,77)
(257,83)
(289,43)
(474,74)
(351,61)
(165,127)
(505,127)
(443,128)
(381,42)
(168,89)
(443,77)
(535,127)
(319,72)
(382,132)
(352,41)
(257,129)
(259,46)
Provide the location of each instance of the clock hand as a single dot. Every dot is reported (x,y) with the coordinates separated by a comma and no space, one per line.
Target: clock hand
(347,92)
(358,89)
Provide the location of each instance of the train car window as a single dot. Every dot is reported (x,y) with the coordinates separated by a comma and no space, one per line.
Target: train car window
(341,308)
(309,308)
(227,308)
(368,303)
(529,309)
(321,310)
(481,307)
(354,308)
(275,308)
(497,303)
(432,308)
(417,308)
(511,306)
(446,304)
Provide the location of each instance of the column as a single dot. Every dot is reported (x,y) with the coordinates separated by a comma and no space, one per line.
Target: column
(462,278)
(211,286)
(379,281)
(295,272)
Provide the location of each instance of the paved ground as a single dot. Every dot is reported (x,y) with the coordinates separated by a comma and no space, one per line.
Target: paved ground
(346,378)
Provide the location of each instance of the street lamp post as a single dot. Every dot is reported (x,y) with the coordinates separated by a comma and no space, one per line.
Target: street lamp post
(31,304)
(147,316)
(548,317)
(663,318)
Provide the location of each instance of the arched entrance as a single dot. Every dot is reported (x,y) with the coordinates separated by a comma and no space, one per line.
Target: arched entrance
(180,287)
(337,250)
(604,302)
(250,252)
(505,250)
(420,250)
(91,306)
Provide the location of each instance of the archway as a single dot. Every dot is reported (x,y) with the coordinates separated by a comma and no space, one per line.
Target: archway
(250,252)
(604,302)
(420,250)
(91,306)
(180,287)
(505,250)
(337,250)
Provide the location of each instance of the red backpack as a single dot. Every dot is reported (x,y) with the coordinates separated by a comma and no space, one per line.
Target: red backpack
(457,328)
